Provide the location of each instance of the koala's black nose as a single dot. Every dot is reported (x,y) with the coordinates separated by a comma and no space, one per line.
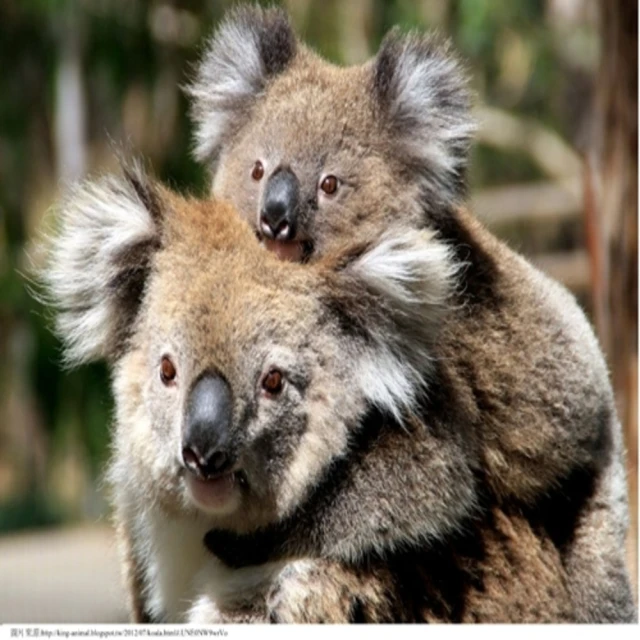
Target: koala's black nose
(278,216)
(206,441)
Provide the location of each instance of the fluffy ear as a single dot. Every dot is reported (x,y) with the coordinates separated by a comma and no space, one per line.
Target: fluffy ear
(251,45)
(99,261)
(396,293)
(425,104)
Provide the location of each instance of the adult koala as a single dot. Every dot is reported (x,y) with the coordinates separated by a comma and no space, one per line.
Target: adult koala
(323,411)
(314,155)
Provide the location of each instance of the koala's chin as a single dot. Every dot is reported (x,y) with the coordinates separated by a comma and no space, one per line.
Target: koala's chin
(215,496)
(290,251)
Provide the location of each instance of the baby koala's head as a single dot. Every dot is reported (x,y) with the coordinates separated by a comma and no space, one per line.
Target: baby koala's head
(313,154)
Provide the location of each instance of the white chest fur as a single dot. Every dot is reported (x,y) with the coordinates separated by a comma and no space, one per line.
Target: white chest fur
(185,582)
(175,555)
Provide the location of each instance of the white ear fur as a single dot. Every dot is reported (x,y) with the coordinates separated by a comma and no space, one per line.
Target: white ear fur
(91,257)
(413,269)
(415,274)
(426,101)
(250,45)
(389,383)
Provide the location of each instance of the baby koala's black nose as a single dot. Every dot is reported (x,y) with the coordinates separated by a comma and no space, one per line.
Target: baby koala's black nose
(206,440)
(278,216)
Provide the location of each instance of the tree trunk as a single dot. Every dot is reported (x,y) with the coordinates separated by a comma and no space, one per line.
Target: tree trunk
(612,222)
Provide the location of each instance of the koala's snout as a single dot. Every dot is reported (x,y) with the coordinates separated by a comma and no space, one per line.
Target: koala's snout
(278,215)
(206,441)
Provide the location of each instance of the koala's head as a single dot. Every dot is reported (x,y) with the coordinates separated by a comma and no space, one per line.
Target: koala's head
(310,152)
(238,378)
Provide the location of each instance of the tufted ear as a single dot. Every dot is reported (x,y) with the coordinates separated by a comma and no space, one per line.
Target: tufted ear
(99,262)
(425,105)
(396,293)
(251,45)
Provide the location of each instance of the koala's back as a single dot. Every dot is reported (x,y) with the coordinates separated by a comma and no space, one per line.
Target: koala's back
(524,361)
(502,570)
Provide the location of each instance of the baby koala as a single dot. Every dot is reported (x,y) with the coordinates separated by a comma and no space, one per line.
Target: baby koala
(315,156)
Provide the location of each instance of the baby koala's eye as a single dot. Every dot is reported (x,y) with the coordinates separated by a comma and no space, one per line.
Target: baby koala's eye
(167,371)
(273,382)
(258,171)
(329,185)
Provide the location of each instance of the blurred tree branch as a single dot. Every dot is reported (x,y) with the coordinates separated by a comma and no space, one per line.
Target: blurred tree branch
(506,131)
(543,201)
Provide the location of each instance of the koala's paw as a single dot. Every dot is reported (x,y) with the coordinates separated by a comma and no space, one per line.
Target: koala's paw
(316,591)
(302,593)
(205,611)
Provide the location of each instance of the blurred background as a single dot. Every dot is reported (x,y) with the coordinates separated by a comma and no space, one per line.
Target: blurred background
(554,172)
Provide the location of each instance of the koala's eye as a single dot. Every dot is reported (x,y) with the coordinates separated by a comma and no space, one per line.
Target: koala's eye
(273,382)
(329,185)
(167,371)
(258,171)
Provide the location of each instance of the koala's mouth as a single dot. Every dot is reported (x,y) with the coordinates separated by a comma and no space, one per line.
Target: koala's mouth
(218,494)
(288,250)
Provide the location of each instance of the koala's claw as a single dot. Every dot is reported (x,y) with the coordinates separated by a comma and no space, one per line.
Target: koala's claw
(296,596)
